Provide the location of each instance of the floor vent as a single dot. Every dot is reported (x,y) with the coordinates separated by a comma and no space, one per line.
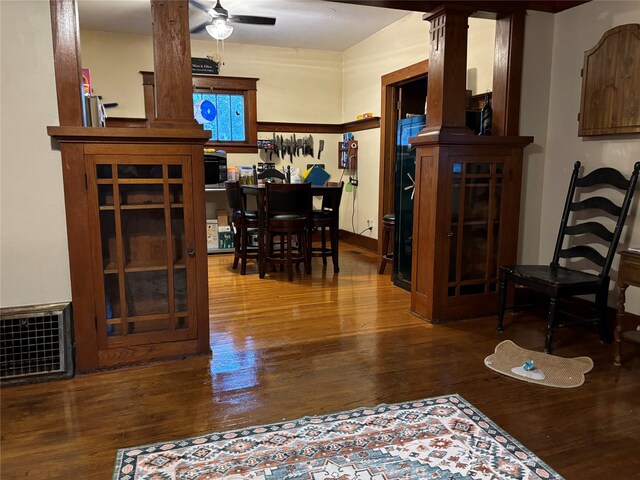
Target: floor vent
(35,343)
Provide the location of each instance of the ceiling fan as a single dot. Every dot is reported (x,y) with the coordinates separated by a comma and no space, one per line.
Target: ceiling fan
(218,27)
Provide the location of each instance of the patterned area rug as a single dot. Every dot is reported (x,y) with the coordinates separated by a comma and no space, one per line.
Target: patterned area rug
(435,438)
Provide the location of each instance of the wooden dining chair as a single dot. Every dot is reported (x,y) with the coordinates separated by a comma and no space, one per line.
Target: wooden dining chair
(327,218)
(581,238)
(244,221)
(288,214)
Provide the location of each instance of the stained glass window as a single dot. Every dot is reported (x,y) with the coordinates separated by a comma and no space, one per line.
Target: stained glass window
(223,114)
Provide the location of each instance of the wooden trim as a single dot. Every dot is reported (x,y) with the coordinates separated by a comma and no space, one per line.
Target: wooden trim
(368,243)
(127,135)
(358,125)
(336,128)
(172,63)
(80,259)
(406,74)
(300,127)
(117,357)
(66,61)
(217,82)
(125,122)
(507,74)
(390,84)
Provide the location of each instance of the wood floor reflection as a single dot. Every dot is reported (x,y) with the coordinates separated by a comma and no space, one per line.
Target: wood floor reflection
(316,345)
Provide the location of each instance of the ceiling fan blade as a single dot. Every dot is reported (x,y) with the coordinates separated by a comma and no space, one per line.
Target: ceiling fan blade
(200,6)
(252,20)
(200,27)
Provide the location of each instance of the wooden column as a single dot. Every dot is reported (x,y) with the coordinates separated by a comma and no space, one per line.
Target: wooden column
(507,73)
(446,95)
(172,64)
(66,61)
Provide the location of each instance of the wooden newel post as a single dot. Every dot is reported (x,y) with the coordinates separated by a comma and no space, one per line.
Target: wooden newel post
(446,96)
(172,64)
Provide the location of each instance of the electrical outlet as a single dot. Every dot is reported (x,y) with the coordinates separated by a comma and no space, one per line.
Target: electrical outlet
(353,181)
(369,223)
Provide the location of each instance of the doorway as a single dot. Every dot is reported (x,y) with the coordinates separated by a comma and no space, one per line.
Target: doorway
(403,92)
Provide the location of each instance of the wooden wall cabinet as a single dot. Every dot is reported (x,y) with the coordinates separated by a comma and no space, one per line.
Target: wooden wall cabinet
(610,101)
(135,208)
(466,211)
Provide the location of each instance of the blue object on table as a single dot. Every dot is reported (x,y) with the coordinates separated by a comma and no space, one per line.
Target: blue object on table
(317,176)
(528,365)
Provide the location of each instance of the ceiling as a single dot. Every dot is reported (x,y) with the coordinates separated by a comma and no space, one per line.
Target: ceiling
(314,24)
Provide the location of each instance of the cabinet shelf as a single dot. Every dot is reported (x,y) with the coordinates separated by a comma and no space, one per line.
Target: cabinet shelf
(141,206)
(145,318)
(137,266)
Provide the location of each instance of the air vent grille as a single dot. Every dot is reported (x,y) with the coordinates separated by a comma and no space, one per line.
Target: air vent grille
(35,343)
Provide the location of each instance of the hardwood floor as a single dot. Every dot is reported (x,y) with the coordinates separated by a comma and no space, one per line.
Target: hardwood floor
(283,349)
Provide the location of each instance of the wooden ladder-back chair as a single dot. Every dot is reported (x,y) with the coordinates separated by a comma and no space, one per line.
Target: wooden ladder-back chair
(243,220)
(576,239)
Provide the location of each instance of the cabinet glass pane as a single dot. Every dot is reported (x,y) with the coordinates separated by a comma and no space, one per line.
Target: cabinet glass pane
(175,194)
(139,171)
(108,240)
(104,171)
(474,254)
(112,296)
(453,232)
(142,195)
(175,171)
(146,293)
(180,296)
(177,237)
(144,239)
(105,195)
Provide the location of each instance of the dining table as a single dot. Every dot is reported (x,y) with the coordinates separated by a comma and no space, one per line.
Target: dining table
(259,192)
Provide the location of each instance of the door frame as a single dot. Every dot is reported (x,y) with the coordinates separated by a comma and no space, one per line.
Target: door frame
(391,83)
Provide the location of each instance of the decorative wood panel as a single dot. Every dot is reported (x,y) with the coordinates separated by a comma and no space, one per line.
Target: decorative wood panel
(610,102)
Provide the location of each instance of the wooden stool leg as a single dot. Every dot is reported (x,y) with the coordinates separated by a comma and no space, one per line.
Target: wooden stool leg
(289,257)
(385,247)
(334,247)
(236,253)
(244,237)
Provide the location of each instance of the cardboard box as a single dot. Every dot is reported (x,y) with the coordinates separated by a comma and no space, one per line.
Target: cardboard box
(223,218)
(225,237)
(212,235)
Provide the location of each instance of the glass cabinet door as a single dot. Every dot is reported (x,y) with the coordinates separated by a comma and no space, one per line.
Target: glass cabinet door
(146,248)
(474,228)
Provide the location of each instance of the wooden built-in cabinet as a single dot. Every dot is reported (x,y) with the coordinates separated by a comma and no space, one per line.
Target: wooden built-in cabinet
(466,210)
(138,240)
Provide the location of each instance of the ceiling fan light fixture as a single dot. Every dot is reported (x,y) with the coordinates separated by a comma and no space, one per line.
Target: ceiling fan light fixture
(219,29)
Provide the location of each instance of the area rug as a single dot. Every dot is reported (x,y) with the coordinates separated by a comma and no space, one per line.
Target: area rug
(436,438)
(543,368)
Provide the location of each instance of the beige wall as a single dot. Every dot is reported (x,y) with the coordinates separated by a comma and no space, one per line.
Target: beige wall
(34,261)
(577,30)
(534,112)
(401,44)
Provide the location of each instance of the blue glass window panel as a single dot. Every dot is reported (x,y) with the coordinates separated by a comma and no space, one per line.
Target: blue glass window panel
(224,118)
(237,118)
(222,114)
(204,114)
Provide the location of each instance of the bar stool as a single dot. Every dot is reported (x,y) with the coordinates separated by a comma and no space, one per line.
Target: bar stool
(328,217)
(388,229)
(243,221)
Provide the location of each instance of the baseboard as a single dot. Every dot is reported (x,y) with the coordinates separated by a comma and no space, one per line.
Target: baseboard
(361,241)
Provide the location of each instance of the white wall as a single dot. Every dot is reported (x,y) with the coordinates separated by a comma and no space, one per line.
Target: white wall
(577,30)
(34,260)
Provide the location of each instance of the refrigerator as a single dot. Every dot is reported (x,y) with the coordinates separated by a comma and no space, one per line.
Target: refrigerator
(405,169)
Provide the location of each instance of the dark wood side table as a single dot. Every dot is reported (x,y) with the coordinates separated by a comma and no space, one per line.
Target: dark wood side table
(628,274)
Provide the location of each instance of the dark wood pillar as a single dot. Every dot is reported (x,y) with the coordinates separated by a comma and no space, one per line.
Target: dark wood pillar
(507,73)
(172,64)
(66,61)
(446,95)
